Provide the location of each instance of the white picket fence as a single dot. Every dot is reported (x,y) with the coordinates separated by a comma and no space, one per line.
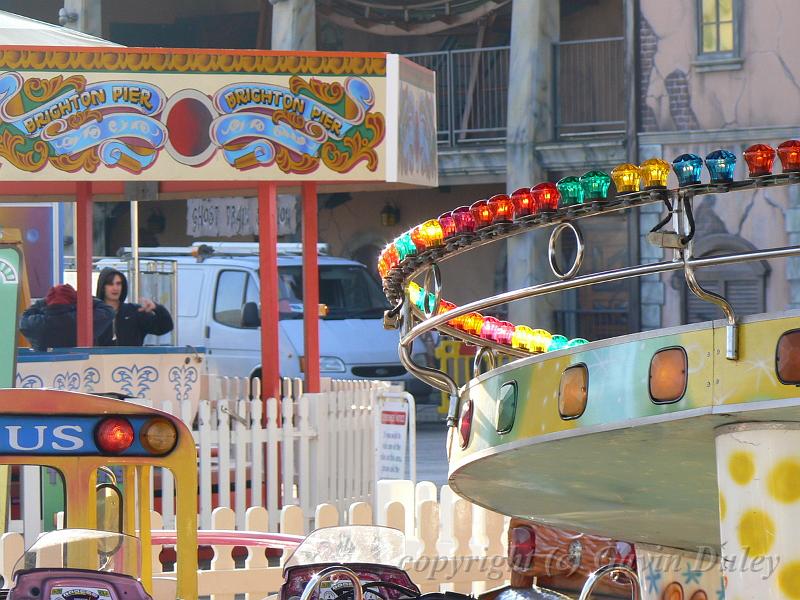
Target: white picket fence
(451,544)
(319,450)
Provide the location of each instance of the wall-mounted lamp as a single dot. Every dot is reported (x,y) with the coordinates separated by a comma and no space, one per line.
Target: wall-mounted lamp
(67,16)
(390,214)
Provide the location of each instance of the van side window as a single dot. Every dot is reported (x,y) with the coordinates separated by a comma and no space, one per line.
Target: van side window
(229,297)
(252,291)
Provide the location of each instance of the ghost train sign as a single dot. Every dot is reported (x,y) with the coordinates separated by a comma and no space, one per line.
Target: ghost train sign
(156,114)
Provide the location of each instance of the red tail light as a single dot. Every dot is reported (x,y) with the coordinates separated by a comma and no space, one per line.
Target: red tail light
(521,548)
(114,435)
(465,423)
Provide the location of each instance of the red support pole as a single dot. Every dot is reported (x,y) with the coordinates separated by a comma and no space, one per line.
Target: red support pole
(85,246)
(310,287)
(268,268)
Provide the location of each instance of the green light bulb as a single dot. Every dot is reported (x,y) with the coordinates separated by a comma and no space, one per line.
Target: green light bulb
(405,246)
(571,191)
(595,185)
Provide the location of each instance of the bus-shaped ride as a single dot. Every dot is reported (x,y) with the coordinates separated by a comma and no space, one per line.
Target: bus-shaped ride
(104,451)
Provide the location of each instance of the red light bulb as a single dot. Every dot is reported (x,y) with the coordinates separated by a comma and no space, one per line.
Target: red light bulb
(523,202)
(502,208)
(114,435)
(448,224)
(545,197)
(789,153)
(482,213)
(465,222)
(465,423)
(759,159)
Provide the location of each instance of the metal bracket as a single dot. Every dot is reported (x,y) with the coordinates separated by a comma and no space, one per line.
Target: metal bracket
(732,328)
(487,353)
(666,239)
(233,415)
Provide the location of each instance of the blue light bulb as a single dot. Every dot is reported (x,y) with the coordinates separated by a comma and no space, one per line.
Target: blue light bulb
(720,165)
(688,168)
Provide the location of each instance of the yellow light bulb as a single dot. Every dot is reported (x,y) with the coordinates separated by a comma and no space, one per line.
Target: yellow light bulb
(655,173)
(626,178)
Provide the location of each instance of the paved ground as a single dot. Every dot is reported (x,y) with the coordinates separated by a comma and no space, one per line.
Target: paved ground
(431,453)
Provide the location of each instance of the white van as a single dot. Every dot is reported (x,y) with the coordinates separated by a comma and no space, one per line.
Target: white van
(217,308)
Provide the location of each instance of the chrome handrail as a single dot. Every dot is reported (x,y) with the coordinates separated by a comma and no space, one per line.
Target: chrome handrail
(595,577)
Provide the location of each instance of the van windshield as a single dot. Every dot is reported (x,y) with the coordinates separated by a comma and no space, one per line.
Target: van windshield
(348,290)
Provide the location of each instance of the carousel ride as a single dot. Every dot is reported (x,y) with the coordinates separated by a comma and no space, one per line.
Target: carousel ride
(675,439)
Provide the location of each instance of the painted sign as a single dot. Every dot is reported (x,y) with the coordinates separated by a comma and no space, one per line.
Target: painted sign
(230,217)
(392,440)
(178,114)
(47,435)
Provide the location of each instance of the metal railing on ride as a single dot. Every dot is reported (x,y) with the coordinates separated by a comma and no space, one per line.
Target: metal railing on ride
(414,320)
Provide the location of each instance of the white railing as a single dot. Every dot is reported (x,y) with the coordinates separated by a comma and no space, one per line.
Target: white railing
(451,544)
(304,449)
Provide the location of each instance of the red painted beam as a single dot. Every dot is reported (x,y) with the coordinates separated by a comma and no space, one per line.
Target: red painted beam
(310,287)
(268,269)
(83,228)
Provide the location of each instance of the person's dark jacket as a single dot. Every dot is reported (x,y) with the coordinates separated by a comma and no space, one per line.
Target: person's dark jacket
(53,322)
(131,325)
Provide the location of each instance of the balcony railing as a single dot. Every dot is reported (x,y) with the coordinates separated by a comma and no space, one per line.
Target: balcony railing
(471,93)
(472,90)
(593,324)
(590,87)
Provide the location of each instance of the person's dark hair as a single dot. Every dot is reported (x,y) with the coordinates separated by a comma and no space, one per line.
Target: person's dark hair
(106,277)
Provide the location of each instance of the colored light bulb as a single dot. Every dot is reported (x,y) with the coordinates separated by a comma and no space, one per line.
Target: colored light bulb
(465,222)
(626,178)
(405,246)
(545,197)
(789,153)
(523,202)
(414,293)
(655,173)
(504,333)
(576,342)
(482,213)
(502,208)
(540,340)
(473,322)
(688,168)
(489,328)
(444,306)
(759,159)
(522,337)
(448,224)
(571,191)
(720,165)
(595,185)
(430,233)
(557,343)
(383,266)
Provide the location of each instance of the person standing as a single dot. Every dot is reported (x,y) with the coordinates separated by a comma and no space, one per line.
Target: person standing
(52,322)
(132,322)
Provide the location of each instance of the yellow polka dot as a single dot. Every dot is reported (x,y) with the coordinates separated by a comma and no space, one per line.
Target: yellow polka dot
(783,482)
(756,532)
(723,508)
(789,579)
(742,467)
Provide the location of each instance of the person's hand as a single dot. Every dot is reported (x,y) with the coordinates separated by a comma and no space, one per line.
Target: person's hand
(146,305)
